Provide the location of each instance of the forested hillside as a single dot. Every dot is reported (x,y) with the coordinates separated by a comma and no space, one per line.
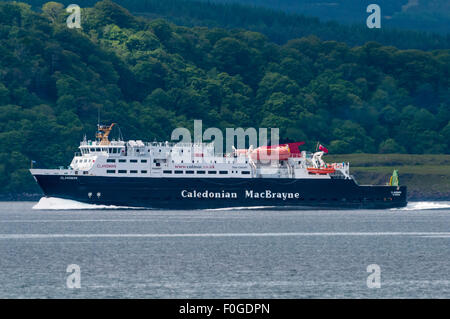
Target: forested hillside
(151,76)
(278,26)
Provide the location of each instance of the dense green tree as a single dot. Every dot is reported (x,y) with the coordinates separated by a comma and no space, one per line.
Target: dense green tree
(53,11)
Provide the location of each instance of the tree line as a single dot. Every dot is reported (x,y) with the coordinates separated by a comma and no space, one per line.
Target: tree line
(281,26)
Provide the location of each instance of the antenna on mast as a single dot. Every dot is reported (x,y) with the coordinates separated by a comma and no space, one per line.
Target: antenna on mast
(98,116)
(120,134)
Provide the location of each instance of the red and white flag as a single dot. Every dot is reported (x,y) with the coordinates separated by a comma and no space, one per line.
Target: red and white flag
(323,148)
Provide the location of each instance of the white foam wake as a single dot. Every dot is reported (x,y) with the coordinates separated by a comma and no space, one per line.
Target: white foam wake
(425,206)
(54,203)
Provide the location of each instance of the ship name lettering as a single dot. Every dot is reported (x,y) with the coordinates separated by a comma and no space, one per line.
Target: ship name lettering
(68,177)
(207,194)
(106,165)
(268,194)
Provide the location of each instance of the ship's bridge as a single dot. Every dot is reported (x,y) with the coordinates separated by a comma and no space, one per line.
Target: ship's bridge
(95,147)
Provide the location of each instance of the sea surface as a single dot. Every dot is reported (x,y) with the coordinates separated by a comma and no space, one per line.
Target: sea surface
(229,253)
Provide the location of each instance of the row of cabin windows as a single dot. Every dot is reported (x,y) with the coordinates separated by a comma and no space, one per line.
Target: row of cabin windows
(110,160)
(203,172)
(122,171)
(112,150)
(83,161)
(215,162)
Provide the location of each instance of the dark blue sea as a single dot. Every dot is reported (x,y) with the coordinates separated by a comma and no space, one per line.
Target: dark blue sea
(127,253)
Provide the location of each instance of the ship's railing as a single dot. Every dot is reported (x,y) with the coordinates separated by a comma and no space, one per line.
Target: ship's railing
(339,165)
(198,147)
(178,144)
(95,143)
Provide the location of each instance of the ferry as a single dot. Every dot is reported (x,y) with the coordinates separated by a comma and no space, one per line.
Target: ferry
(165,175)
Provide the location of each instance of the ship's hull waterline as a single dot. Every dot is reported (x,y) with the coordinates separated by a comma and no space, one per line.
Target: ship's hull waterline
(210,193)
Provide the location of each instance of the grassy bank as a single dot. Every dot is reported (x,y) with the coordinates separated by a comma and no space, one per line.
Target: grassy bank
(427,176)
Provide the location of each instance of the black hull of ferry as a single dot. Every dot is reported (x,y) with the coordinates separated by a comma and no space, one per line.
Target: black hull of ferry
(210,193)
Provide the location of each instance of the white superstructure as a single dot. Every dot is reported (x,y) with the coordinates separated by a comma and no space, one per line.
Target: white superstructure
(135,158)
